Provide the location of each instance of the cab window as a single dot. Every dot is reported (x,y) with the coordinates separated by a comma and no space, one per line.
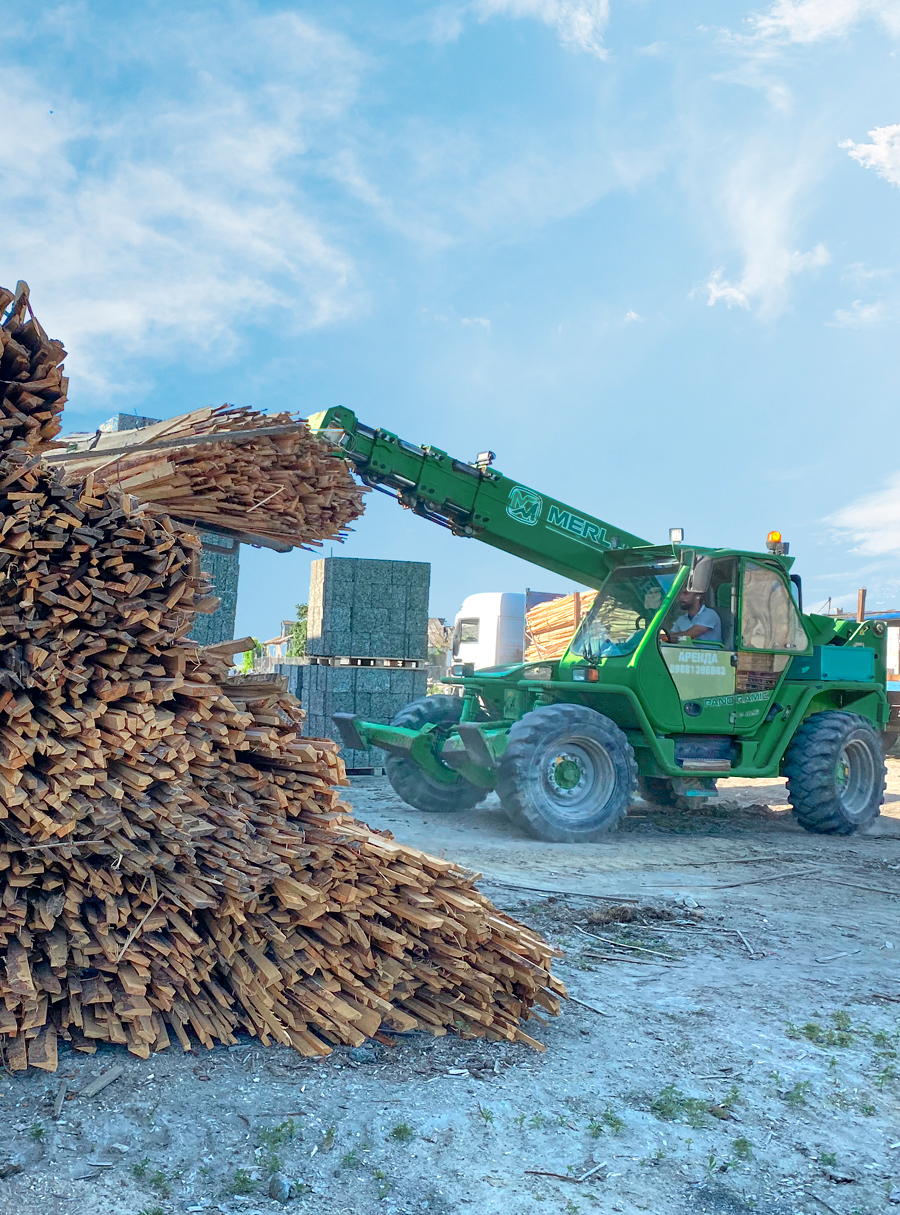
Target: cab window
(622,610)
(719,597)
(468,630)
(769,616)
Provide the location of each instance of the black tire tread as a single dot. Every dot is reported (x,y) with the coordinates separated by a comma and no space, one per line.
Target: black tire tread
(407,779)
(809,764)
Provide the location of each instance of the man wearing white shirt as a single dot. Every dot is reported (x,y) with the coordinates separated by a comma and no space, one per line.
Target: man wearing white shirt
(697,621)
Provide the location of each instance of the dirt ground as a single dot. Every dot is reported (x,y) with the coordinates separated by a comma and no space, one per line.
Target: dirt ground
(741,1057)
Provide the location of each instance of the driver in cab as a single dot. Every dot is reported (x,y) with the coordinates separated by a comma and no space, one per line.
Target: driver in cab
(697,621)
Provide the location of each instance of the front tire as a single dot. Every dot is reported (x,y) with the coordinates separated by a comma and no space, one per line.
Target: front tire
(836,774)
(407,779)
(567,774)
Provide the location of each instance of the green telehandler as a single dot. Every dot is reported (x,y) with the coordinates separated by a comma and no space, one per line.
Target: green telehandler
(643,698)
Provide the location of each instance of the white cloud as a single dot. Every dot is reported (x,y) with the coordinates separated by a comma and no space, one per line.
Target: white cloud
(806,21)
(578,23)
(872,522)
(630,316)
(861,277)
(162,226)
(481,321)
(760,207)
(882,154)
(859,314)
(767,274)
(717,289)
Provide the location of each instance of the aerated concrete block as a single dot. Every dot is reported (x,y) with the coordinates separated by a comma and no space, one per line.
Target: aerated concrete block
(368,609)
(372,693)
(220,560)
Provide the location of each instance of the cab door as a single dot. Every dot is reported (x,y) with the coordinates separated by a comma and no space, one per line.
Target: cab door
(770,634)
(704,673)
(728,687)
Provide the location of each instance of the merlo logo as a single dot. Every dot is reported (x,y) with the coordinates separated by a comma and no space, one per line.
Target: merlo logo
(524,505)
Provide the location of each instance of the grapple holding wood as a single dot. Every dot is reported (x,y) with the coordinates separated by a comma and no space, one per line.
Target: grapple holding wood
(262,478)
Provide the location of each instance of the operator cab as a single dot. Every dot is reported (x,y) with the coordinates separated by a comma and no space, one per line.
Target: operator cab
(724,639)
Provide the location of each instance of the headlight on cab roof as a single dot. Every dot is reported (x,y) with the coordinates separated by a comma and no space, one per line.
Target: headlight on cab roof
(544,670)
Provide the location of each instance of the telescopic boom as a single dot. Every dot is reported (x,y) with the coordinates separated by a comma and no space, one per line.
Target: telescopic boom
(476,500)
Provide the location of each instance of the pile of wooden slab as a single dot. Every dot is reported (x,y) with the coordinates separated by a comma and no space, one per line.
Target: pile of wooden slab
(175,859)
(550,626)
(32,385)
(263,476)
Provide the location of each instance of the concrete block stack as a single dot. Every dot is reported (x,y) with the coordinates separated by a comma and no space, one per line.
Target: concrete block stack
(367,645)
(220,560)
(368,609)
(125,421)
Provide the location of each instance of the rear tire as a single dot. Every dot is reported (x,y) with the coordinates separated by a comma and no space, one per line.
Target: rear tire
(836,774)
(567,774)
(658,790)
(407,779)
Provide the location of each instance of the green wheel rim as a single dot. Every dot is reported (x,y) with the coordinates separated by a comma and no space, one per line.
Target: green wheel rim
(855,777)
(578,777)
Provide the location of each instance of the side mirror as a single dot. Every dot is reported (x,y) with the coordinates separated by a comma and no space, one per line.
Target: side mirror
(700,576)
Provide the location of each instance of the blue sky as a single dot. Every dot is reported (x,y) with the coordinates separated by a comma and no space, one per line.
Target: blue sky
(649,253)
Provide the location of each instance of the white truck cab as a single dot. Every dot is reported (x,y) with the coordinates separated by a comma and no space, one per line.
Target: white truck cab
(490,627)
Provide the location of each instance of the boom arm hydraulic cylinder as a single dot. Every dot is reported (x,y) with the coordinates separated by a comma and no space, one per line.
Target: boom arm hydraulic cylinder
(476,500)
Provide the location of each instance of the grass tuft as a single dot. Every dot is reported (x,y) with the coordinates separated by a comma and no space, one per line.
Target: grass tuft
(796,1096)
(241,1183)
(402,1133)
(672,1105)
(277,1136)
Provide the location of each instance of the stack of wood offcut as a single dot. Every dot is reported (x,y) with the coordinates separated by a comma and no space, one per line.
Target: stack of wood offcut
(175,859)
(283,488)
(32,384)
(549,626)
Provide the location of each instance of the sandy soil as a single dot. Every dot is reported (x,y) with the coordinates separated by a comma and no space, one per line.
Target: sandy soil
(749,1063)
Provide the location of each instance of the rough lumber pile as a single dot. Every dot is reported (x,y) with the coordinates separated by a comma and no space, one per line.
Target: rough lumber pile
(175,860)
(32,385)
(549,626)
(285,488)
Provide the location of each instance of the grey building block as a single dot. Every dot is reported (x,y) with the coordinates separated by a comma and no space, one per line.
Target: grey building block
(372,693)
(364,608)
(397,645)
(343,679)
(220,559)
(384,707)
(374,679)
(127,421)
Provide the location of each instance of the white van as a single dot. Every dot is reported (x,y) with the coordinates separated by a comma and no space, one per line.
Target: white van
(490,627)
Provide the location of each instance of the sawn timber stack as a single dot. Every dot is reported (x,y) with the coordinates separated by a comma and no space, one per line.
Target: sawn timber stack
(550,626)
(176,861)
